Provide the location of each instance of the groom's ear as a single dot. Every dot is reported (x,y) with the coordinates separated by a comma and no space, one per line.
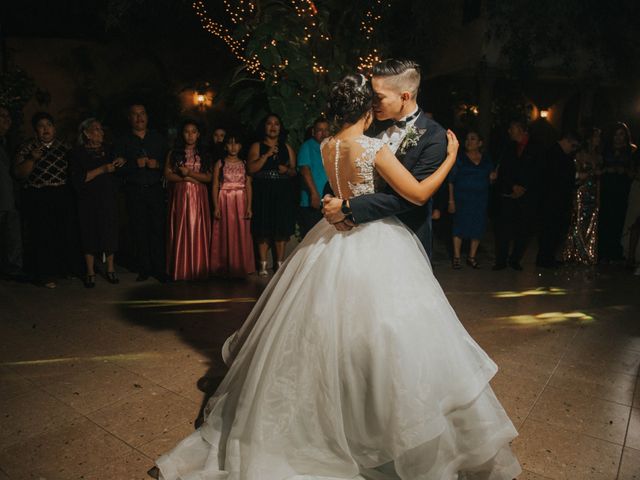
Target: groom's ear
(405,96)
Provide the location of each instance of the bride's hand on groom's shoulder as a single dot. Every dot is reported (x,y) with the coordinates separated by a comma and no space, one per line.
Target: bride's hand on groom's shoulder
(452,146)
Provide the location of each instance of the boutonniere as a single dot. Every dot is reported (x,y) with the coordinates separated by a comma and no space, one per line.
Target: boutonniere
(411,139)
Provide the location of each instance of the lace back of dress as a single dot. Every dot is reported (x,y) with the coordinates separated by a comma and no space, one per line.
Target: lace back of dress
(350,165)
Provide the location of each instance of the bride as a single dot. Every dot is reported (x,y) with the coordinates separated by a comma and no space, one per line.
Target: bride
(352,364)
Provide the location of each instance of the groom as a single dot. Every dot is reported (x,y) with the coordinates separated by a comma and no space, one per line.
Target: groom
(417,141)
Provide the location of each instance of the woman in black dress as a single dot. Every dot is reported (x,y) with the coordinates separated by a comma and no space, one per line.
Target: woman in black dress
(614,192)
(272,164)
(92,165)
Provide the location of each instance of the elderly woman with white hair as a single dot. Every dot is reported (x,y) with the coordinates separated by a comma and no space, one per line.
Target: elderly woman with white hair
(92,165)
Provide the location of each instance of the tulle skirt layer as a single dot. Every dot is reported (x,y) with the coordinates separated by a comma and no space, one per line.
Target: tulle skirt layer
(352,365)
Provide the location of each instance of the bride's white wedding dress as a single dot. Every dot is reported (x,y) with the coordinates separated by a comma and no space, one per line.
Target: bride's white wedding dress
(352,365)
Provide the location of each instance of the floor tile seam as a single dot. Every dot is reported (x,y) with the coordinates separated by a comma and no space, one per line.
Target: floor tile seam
(544,388)
(111,434)
(156,383)
(140,392)
(184,396)
(134,450)
(626,433)
(168,430)
(573,430)
(596,397)
(91,412)
(622,447)
(537,474)
(593,397)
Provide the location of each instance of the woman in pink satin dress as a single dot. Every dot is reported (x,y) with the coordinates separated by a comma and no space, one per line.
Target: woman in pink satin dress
(232,246)
(188,171)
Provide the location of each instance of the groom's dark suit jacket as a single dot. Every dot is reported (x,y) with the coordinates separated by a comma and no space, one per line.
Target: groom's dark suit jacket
(421,160)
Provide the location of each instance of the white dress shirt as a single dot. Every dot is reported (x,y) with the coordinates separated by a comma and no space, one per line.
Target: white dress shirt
(394,135)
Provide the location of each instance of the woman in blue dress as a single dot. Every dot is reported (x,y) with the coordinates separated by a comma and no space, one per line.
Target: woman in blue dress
(469,183)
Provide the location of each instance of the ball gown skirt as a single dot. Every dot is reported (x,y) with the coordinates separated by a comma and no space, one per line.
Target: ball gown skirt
(352,365)
(189,235)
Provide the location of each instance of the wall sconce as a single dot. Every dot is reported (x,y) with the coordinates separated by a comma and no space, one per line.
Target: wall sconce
(544,113)
(200,99)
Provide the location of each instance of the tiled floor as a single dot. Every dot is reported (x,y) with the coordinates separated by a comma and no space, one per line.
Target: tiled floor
(96,384)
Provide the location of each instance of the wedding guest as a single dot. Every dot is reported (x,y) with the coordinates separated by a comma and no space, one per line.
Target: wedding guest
(188,171)
(614,192)
(217,144)
(582,241)
(272,164)
(557,168)
(516,189)
(232,246)
(10,228)
(631,235)
(91,168)
(144,150)
(469,182)
(313,176)
(42,164)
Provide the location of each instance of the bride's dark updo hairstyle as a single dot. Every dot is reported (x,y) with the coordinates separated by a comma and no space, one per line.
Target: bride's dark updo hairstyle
(350,99)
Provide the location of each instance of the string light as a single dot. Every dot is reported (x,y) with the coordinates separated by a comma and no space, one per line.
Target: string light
(240,11)
(368,62)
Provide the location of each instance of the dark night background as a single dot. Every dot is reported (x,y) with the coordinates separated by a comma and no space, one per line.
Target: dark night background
(577,59)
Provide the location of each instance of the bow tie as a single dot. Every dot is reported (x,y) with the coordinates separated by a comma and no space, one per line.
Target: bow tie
(403,123)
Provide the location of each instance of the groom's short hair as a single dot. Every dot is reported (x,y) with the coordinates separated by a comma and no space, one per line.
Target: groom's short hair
(406,74)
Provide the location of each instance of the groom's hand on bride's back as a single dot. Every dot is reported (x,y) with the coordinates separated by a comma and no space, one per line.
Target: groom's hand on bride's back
(332,209)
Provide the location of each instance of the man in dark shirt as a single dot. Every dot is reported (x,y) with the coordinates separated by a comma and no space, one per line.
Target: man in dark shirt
(145,152)
(558,172)
(516,189)
(10,229)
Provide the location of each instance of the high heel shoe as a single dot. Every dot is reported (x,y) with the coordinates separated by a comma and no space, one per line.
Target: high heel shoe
(112,278)
(473,263)
(278,265)
(455,263)
(263,269)
(90,281)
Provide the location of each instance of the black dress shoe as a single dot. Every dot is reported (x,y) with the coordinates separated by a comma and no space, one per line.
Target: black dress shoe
(516,266)
(499,266)
(89,281)
(142,277)
(112,278)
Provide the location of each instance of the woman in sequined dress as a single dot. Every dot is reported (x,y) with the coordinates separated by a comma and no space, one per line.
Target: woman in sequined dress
(582,242)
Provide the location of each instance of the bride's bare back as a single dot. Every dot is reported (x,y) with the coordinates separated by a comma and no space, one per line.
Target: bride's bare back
(354,165)
(350,165)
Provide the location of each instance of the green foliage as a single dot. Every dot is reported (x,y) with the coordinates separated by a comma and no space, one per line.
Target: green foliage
(290,87)
(16,89)
(592,38)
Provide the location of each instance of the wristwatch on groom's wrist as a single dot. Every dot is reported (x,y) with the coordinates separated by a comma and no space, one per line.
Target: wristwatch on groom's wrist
(346,211)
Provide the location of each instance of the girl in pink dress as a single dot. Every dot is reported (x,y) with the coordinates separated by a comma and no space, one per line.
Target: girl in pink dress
(232,246)
(188,171)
